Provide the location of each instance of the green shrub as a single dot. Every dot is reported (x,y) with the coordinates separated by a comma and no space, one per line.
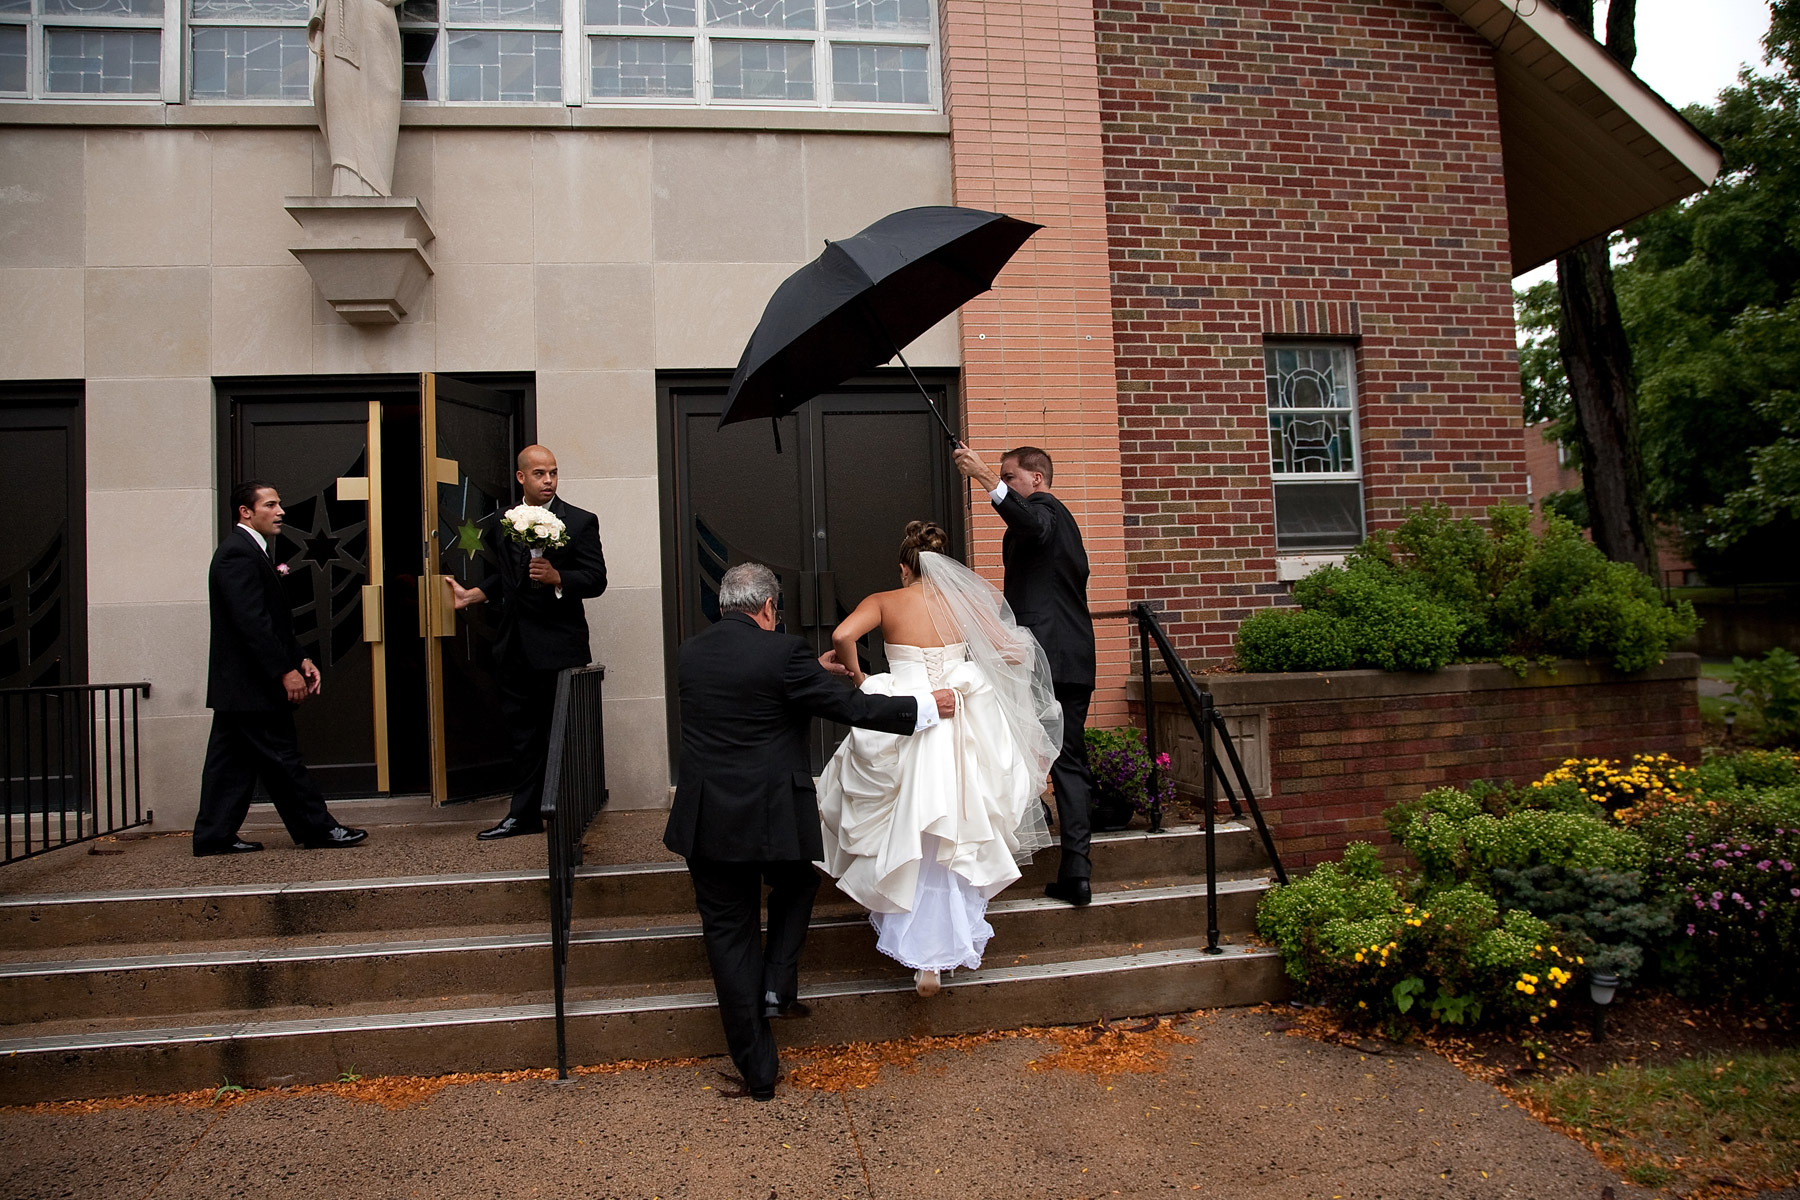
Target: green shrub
(1455,840)
(1768,691)
(1727,860)
(1350,939)
(1288,640)
(1439,589)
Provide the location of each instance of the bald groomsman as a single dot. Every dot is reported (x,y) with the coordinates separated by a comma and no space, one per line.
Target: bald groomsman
(543,628)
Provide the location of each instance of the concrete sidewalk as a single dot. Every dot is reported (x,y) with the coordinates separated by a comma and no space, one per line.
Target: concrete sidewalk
(1240,1110)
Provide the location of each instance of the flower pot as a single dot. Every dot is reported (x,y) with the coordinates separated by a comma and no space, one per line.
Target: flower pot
(1110,812)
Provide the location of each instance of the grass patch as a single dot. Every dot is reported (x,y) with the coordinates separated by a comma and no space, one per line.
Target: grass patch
(1706,1120)
(1717,669)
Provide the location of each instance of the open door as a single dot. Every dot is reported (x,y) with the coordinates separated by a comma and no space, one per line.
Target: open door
(469,444)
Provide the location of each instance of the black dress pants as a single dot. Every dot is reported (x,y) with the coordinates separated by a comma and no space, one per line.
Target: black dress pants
(1074,785)
(527,702)
(245,747)
(744,967)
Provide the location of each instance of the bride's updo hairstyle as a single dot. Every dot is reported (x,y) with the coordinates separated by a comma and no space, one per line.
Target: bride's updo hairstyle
(922,536)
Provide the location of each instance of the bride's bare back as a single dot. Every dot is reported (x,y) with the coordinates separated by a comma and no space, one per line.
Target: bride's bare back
(902,616)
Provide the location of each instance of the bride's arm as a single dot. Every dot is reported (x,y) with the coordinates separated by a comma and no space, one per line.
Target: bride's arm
(844,638)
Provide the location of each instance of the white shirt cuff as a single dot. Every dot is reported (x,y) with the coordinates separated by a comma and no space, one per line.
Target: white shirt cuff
(999,492)
(927,711)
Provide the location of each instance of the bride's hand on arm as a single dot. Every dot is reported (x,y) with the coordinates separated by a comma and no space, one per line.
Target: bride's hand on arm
(867,617)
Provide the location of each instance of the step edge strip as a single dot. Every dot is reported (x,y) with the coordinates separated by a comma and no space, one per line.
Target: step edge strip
(202,1034)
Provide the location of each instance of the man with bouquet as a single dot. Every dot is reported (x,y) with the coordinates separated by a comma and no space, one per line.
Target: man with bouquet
(549,561)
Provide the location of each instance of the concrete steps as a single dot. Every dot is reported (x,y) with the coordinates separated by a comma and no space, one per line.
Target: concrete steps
(264,985)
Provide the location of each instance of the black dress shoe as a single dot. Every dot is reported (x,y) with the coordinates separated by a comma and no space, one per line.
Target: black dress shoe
(510,827)
(774,1008)
(1070,891)
(338,836)
(240,846)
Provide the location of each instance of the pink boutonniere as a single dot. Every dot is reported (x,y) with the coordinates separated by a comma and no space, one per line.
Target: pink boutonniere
(281,568)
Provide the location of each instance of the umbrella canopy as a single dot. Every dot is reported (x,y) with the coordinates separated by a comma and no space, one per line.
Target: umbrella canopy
(853,307)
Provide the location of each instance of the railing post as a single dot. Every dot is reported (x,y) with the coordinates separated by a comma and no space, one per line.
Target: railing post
(1139,611)
(1207,804)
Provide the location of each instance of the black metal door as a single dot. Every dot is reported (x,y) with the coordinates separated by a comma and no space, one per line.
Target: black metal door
(43,559)
(303,448)
(826,512)
(471,444)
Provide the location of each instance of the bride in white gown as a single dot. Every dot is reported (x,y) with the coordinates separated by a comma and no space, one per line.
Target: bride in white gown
(924,830)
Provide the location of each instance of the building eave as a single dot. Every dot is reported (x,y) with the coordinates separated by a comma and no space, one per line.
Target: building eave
(1586,145)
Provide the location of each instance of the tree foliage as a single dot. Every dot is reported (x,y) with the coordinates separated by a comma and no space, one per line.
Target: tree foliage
(1710,295)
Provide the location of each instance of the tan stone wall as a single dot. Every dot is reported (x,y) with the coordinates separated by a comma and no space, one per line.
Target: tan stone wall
(148,262)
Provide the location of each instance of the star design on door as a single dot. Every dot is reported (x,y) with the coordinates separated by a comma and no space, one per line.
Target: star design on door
(468,538)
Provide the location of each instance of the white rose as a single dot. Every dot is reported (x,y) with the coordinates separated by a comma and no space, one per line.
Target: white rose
(521,524)
(542,531)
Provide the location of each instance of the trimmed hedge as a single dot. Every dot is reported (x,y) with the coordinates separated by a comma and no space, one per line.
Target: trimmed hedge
(1442,589)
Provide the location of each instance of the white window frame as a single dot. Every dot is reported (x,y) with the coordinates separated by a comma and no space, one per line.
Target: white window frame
(821,38)
(1277,477)
(37,24)
(446,27)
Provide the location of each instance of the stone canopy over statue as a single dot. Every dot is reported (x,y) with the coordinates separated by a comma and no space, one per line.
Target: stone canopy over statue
(356,86)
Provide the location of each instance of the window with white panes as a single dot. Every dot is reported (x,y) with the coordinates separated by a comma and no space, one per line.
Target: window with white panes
(808,53)
(1315,464)
(76,49)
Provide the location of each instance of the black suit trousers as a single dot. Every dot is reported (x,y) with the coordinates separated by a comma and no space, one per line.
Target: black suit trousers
(744,966)
(1074,785)
(245,747)
(527,702)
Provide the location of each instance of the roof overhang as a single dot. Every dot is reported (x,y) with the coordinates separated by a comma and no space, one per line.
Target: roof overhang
(1586,146)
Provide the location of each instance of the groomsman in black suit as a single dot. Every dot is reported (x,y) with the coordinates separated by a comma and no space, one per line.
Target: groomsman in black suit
(255,677)
(1046,584)
(543,628)
(745,809)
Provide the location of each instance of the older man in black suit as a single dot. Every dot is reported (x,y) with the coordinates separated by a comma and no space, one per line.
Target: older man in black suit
(745,811)
(543,628)
(1046,584)
(255,677)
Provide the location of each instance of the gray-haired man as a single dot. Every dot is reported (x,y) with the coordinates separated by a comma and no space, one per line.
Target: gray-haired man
(745,811)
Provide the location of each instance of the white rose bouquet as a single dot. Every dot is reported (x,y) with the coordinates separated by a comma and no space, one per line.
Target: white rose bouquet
(537,529)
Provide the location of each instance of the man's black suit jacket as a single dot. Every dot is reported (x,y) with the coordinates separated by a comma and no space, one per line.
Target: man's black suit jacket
(538,629)
(253,642)
(1046,582)
(747,697)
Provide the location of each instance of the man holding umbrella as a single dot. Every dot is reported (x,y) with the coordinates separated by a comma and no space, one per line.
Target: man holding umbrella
(1046,584)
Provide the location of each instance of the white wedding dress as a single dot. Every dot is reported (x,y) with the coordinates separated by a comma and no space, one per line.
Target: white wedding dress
(924,830)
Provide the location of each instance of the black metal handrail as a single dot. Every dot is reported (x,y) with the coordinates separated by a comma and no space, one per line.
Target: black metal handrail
(1208,725)
(69,765)
(574,792)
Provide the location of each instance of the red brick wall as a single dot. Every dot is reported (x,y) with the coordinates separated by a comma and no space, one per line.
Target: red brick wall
(1336,764)
(1297,168)
(1037,351)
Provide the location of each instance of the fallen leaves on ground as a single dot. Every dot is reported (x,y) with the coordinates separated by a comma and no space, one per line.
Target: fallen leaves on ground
(1100,1050)
(389,1091)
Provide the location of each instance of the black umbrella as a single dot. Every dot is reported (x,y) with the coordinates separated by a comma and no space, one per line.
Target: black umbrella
(853,307)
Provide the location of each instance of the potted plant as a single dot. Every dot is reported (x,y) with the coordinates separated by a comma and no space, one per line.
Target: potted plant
(1121,769)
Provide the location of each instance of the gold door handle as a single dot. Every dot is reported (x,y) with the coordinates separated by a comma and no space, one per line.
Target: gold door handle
(443,607)
(374,618)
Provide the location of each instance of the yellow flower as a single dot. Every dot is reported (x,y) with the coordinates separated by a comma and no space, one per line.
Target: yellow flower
(1552,1005)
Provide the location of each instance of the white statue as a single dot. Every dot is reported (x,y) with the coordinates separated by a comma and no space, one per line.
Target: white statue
(356,85)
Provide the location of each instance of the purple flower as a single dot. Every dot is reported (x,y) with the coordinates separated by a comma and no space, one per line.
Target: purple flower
(1763,865)
(1690,931)
(1718,895)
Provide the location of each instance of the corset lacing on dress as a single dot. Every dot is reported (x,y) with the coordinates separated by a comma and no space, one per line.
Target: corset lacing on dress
(938,660)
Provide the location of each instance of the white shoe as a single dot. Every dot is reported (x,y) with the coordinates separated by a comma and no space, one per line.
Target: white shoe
(926,982)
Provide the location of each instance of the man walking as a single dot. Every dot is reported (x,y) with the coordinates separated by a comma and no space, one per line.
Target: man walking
(745,810)
(543,628)
(255,677)
(1046,584)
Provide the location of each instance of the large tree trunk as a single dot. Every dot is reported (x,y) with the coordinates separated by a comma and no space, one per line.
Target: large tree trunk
(1597,358)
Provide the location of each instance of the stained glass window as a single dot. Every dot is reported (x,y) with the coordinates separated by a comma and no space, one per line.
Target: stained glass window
(103,61)
(649,67)
(258,63)
(1313,460)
